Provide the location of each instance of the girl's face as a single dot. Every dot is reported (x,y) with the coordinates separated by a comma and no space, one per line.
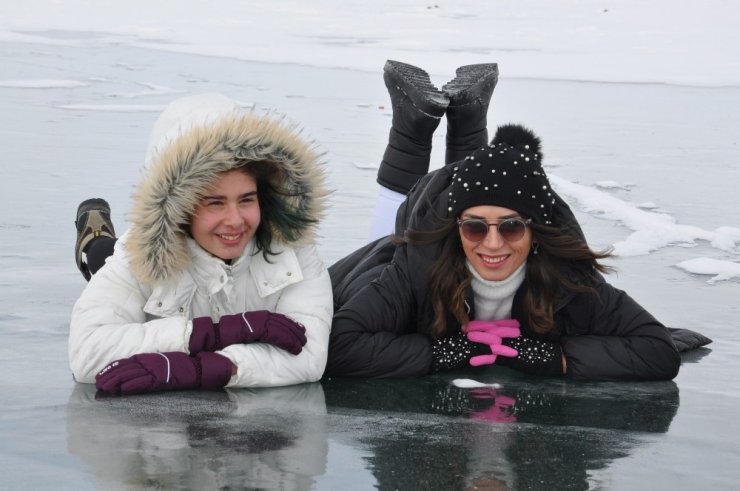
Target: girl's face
(493,257)
(227,216)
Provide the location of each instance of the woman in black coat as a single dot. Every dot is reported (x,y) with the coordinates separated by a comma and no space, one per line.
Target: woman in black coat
(487,264)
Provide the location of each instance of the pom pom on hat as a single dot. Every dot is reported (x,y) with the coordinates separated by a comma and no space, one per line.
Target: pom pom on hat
(506,173)
(518,136)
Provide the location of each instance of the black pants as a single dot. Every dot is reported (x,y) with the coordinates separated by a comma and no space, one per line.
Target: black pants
(98,251)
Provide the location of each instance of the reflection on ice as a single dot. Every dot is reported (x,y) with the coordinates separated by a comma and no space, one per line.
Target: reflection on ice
(272,438)
(546,434)
(392,434)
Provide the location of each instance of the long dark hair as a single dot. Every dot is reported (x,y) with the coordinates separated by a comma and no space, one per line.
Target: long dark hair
(277,215)
(544,273)
(449,277)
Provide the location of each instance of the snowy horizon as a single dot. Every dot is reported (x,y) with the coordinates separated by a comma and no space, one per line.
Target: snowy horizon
(627,41)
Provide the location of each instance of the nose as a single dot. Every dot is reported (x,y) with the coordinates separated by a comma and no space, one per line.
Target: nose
(493,239)
(232,216)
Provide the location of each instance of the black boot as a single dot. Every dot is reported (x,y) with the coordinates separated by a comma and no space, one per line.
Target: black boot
(418,107)
(470,94)
(93,224)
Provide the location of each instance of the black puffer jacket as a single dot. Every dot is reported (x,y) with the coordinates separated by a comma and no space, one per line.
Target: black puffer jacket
(382,313)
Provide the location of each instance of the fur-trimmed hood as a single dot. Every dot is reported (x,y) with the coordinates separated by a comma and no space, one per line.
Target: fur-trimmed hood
(195,140)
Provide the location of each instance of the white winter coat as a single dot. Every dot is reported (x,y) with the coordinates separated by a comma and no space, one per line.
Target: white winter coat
(158,279)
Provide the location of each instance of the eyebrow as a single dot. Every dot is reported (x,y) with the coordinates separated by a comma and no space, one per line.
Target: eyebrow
(241,196)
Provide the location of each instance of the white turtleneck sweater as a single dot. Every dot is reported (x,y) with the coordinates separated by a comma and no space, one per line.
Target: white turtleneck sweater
(493,299)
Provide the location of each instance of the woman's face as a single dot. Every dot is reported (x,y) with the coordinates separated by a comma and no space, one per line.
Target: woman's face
(493,257)
(227,216)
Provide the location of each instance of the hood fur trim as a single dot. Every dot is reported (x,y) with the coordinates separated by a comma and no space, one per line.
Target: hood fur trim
(186,168)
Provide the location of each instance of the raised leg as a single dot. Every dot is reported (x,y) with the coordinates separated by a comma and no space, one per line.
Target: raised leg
(470,95)
(418,107)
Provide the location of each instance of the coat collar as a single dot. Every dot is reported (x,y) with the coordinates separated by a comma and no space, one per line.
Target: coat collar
(213,274)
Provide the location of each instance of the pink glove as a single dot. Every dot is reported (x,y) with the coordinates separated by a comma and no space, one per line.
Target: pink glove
(501,411)
(260,326)
(153,372)
(492,333)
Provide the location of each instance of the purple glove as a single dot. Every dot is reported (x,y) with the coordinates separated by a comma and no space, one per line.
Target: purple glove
(492,333)
(260,326)
(152,372)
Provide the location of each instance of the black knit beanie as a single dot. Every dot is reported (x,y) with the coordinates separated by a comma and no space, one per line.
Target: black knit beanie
(506,173)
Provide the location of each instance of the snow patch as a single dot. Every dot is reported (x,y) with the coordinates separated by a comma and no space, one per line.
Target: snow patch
(466,383)
(722,270)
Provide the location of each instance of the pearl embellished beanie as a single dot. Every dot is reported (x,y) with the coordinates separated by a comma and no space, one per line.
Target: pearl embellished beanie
(506,173)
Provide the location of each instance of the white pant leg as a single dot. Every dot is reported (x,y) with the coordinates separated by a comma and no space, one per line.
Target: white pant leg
(384,215)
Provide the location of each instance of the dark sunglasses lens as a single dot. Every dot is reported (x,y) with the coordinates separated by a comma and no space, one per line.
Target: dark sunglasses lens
(511,230)
(474,230)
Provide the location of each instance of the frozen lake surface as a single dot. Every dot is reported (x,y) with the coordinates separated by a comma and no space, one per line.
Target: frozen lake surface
(75,125)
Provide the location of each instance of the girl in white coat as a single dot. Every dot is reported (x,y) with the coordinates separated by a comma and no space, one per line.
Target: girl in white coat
(217,282)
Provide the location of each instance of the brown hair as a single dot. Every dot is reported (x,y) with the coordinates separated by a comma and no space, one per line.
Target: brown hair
(449,276)
(544,274)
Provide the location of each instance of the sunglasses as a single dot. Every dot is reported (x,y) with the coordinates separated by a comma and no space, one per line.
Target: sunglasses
(510,229)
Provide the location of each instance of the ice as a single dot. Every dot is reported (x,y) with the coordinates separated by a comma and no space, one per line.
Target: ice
(612,185)
(150,90)
(42,84)
(123,108)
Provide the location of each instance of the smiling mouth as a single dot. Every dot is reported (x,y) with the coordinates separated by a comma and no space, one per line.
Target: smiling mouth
(493,260)
(230,238)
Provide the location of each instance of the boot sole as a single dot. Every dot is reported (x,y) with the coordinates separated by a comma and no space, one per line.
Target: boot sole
(417,86)
(472,82)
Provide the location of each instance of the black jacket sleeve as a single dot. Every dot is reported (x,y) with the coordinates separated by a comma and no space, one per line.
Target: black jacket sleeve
(609,336)
(373,332)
